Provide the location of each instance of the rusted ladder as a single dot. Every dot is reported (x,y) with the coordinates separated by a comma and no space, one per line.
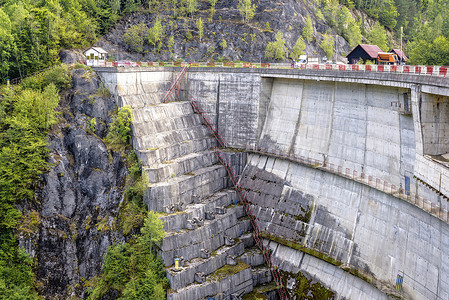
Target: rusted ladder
(243,199)
(174,86)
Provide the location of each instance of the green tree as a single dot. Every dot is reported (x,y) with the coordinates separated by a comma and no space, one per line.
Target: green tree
(378,36)
(200,27)
(212,3)
(26,114)
(223,44)
(6,46)
(246,9)
(276,49)
(307,31)
(388,14)
(327,44)
(267,27)
(155,33)
(134,37)
(298,48)
(120,128)
(353,34)
(191,6)
(132,269)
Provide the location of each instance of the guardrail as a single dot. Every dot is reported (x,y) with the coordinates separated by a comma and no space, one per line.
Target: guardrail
(441,71)
(376,183)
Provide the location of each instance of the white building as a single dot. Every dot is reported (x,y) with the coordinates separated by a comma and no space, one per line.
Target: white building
(95,56)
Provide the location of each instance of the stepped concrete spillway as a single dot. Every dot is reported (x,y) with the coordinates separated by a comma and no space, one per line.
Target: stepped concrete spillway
(347,173)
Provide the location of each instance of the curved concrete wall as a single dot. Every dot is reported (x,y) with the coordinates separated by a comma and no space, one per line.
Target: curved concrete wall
(352,121)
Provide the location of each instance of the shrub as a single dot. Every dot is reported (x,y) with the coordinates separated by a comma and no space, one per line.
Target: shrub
(120,127)
(276,49)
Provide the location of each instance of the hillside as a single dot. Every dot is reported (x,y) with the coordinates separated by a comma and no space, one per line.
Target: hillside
(226,36)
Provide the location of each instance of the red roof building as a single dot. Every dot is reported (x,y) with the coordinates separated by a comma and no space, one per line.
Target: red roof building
(363,52)
(400,54)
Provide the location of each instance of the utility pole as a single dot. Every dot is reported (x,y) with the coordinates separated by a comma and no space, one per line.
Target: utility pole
(402,55)
(335,49)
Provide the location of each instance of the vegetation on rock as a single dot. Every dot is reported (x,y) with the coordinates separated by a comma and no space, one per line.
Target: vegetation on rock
(27,112)
(133,268)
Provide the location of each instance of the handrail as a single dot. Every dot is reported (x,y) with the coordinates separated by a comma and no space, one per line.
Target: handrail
(438,71)
(266,252)
(197,108)
(379,184)
(174,86)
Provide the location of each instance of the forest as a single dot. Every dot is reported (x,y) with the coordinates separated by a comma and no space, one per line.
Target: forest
(33,32)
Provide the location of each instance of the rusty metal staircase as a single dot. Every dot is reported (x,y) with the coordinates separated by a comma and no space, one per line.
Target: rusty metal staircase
(174,86)
(243,199)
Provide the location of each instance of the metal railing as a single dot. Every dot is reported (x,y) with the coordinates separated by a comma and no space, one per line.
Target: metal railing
(441,71)
(255,224)
(174,86)
(361,177)
(248,209)
(197,108)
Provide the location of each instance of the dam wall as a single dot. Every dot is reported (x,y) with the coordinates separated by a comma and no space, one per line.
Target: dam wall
(355,236)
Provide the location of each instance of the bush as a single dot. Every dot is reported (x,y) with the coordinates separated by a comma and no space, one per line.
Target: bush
(120,127)
(133,269)
(134,37)
(276,49)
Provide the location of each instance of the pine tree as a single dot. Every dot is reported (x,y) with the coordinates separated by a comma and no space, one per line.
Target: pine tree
(246,9)
(298,49)
(307,31)
(200,27)
(276,49)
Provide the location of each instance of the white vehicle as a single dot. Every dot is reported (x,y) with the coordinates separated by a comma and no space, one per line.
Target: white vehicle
(302,60)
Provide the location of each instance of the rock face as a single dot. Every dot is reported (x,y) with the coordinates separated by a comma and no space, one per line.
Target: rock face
(245,42)
(82,191)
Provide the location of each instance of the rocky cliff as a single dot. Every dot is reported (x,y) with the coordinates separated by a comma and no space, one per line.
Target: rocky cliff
(81,194)
(244,41)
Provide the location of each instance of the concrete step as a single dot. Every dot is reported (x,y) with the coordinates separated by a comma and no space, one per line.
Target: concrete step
(185,189)
(185,275)
(210,235)
(141,100)
(161,111)
(161,139)
(224,284)
(179,166)
(248,240)
(156,155)
(177,221)
(157,126)
(261,275)
(253,257)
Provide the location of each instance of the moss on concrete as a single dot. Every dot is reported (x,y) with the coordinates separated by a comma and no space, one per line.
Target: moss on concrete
(227,270)
(300,247)
(306,288)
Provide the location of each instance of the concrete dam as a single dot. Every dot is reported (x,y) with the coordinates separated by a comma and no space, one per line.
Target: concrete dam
(346,172)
